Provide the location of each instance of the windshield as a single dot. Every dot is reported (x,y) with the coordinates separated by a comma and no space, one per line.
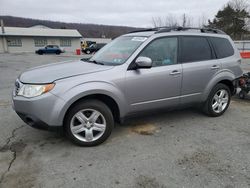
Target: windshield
(118,51)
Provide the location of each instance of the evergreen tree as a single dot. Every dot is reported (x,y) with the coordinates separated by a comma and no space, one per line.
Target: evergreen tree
(231,19)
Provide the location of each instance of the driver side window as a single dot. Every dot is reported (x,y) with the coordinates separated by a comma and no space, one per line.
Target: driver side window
(162,51)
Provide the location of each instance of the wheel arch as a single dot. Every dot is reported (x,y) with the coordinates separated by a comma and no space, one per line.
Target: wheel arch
(226,78)
(106,99)
(229,84)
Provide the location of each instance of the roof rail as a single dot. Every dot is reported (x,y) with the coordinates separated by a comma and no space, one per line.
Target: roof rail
(156,29)
(178,28)
(214,30)
(202,30)
(144,30)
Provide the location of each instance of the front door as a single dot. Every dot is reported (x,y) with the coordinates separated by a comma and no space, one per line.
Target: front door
(159,86)
(49,49)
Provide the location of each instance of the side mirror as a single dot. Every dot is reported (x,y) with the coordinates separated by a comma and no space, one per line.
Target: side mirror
(143,62)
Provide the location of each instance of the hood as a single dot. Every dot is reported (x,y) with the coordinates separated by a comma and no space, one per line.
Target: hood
(55,71)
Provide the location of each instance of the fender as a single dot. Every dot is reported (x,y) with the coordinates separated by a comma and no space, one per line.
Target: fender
(220,76)
(90,88)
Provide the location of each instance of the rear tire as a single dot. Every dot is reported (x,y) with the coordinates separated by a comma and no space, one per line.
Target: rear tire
(217,101)
(58,52)
(89,123)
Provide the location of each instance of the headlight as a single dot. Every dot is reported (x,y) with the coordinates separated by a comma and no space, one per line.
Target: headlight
(28,90)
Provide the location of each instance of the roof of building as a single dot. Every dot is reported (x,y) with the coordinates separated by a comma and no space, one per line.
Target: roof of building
(39,32)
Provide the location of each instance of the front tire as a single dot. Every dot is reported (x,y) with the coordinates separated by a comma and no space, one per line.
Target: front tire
(89,123)
(58,52)
(217,101)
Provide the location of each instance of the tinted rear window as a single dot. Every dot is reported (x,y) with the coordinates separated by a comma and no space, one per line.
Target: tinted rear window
(194,49)
(222,46)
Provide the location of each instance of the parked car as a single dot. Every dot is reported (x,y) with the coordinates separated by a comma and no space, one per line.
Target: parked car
(140,71)
(50,49)
(93,48)
(85,44)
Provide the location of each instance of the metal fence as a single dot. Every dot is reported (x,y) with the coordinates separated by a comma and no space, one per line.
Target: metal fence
(243,45)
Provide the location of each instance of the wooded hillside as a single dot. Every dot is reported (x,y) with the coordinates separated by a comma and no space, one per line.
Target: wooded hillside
(87,30)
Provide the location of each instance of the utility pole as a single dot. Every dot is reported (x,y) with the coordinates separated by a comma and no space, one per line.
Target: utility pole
(4,41)
(184,20)
(2,27)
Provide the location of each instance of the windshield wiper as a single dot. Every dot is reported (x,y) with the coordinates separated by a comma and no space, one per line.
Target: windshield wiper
(85,59)
(95,62)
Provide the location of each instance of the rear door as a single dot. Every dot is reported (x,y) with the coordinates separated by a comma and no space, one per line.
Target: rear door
(199,66)
(228,56)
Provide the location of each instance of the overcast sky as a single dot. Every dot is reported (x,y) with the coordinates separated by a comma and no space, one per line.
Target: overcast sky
(137,13)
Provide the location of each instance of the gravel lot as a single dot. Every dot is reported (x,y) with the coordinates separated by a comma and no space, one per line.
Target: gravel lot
(172,149)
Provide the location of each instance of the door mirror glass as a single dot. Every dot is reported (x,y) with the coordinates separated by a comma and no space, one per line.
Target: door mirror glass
(143,63)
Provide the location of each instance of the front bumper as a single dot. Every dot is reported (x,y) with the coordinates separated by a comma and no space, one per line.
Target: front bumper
(37,123)
(41,112)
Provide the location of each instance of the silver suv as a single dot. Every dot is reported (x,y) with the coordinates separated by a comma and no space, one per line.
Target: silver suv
(143,70)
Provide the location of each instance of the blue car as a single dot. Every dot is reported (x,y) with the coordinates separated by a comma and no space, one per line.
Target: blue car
(49,49)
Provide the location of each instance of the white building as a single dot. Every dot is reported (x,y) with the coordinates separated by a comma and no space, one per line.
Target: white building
(242,45)
(19,39)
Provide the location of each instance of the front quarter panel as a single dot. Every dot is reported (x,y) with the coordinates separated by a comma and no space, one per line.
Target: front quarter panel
(77,92)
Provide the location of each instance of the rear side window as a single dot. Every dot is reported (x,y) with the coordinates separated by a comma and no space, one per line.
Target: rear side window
(194,49)
(222,46)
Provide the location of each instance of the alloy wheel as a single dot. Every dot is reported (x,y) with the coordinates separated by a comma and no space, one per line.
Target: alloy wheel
(88,125)
(220,101)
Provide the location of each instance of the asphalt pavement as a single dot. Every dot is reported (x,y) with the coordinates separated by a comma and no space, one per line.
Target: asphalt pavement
(181,148)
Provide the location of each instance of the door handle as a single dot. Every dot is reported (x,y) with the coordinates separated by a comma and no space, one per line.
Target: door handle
(214,67)
(175,72)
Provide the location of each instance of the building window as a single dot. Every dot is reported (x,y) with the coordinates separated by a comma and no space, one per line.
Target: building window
(40,42)
(16,42)
(65,42)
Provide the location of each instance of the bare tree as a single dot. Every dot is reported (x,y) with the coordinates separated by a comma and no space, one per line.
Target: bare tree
(157,22)
(171,21)
(154,22)
(184,20)
(239,4)
(202,20)
(168,21)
